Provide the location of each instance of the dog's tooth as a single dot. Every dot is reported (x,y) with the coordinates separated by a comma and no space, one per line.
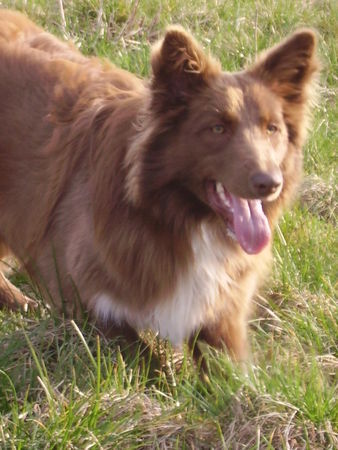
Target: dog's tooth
(219,188)
(223,197)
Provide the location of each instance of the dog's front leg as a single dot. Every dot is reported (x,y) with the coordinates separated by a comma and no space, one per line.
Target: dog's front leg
(227,332)
(12,298)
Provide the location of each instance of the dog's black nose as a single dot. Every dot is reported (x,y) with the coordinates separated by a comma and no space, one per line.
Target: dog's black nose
(265,183)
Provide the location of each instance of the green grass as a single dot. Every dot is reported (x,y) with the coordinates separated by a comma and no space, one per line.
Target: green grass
(65,388)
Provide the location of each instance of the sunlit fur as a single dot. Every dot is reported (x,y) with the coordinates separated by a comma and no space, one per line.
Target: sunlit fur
(102,177)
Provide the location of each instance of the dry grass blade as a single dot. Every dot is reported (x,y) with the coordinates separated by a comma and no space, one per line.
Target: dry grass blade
(99,21)
(63,19)
(129,24)
(320,197)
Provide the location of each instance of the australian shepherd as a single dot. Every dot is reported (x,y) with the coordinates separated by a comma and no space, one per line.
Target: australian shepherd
(148,204)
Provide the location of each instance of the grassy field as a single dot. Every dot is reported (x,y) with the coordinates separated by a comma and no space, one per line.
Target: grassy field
(65,388)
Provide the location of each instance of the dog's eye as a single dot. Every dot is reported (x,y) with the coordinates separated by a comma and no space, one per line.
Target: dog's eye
(271,128)
(218,129)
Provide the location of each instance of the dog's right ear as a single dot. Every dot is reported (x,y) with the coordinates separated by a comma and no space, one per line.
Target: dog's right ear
(180,66)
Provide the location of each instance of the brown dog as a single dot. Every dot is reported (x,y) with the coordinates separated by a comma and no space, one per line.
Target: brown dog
(148,204)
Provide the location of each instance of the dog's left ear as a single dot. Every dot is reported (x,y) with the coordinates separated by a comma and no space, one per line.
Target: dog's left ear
(180,66)
(288,68)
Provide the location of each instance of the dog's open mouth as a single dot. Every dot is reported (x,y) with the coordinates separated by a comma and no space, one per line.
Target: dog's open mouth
(245,219)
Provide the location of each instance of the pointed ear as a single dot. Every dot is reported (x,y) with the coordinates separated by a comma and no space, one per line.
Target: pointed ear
(289,70)
(180,67)
(289,67)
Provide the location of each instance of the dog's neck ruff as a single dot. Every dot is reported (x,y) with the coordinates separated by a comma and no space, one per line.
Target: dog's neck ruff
(194,300)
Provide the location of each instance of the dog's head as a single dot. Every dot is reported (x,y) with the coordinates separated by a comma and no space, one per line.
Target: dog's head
(229,142)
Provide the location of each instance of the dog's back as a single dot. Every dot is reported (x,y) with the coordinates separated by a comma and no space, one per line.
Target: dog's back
(35,71)
(50,96)
(15,28)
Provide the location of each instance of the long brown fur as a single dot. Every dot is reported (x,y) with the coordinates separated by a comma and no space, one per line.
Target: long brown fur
(102,174)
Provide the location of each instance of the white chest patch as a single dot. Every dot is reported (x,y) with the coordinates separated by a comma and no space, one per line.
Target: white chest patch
(192,302)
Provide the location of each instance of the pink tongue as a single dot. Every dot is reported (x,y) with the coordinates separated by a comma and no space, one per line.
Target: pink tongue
(251,225)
